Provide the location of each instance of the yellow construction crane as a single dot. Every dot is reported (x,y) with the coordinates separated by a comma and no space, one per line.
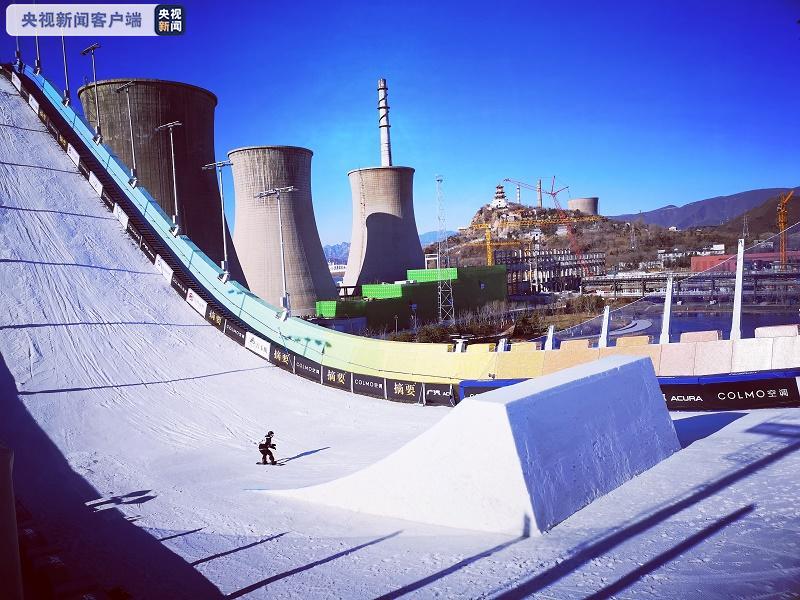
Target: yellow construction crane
(559,220)
(783,203)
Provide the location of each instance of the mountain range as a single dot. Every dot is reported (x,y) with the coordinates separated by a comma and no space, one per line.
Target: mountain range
(711,211)
(338,252)
(762,220)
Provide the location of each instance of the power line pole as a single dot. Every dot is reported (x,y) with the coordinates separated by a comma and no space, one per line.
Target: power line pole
(446,308)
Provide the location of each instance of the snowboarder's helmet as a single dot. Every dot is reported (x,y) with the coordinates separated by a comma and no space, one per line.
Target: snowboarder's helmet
(270,433)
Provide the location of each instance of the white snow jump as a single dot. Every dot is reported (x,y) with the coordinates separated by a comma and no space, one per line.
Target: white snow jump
(522,458)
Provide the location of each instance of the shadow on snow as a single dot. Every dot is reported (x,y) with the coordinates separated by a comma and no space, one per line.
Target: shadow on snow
(116,551)
(691,429)
(591,550)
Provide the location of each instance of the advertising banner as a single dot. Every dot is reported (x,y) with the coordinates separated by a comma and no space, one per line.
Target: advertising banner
(73,154)
(134,233)
(731,395)
(256,345)
(403,391)
(122,217)
(49,124)
(33,104)
(17,83)
(107,200)
(369,385)
(179,286)
(95,183)
(473,387)
(163,268)
(337,378)
(148,252)
(216,318)
(195,301)
(233,331)
(281,357)
(438,394)
(305,367)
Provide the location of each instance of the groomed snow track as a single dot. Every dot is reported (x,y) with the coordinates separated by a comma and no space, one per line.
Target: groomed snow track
(133,422)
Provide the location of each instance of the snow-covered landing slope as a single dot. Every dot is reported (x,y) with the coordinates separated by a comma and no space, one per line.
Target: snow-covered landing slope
(132,421)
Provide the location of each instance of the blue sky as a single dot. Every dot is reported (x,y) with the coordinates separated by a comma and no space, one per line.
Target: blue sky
(643,103)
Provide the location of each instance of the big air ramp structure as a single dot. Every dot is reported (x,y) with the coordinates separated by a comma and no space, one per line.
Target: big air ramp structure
(257,236)
(522,458)
(385,242)
(154,102)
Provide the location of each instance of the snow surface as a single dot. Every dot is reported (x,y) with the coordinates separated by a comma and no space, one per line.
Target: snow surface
(548,447)
(134,424)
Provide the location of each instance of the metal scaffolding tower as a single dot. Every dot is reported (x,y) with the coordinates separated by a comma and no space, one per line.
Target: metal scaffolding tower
(446,307)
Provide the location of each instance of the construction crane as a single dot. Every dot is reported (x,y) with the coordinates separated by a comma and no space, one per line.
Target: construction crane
(783,205)
(522,184)
(559,220)
(564,219)
(573,240)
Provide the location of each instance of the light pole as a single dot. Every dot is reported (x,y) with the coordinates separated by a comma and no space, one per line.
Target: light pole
(277,193)
(126,87)
(98,138)
(225,275)
(175,218)
(37,64)
(18,55)
(66,99)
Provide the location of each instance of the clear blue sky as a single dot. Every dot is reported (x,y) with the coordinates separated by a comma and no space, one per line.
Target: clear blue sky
(643,103)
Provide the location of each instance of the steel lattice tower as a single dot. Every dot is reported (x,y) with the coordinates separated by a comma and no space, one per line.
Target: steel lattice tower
(446,308)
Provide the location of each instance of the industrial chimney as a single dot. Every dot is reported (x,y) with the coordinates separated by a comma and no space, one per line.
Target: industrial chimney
(383,124)
(385,242)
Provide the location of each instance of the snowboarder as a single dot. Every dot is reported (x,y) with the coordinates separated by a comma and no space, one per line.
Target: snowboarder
(265,448)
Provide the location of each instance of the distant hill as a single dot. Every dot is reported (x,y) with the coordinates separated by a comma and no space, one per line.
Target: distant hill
(712,211)
(337,252)
(432,236)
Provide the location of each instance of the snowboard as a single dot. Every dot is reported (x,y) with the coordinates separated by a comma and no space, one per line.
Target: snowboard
(270,465)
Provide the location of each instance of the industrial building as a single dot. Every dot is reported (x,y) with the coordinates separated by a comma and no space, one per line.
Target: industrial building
(257,236)
(385,242)
(538,270)
(414,301)
(753,261)
(154,102)
(586,206)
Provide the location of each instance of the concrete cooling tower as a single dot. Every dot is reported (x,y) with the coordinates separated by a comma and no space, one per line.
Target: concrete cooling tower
(152,103)
(257,237)
(587,206)
(385,242)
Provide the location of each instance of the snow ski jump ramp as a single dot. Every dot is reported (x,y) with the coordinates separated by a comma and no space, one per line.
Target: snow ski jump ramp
(520,458)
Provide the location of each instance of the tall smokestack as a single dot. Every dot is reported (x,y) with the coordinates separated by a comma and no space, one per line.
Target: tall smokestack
(539,192)
(383,124)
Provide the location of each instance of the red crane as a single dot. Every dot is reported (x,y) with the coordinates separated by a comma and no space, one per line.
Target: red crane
(565,216)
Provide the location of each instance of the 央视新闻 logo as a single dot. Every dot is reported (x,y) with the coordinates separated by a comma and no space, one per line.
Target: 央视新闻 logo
(170,19)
